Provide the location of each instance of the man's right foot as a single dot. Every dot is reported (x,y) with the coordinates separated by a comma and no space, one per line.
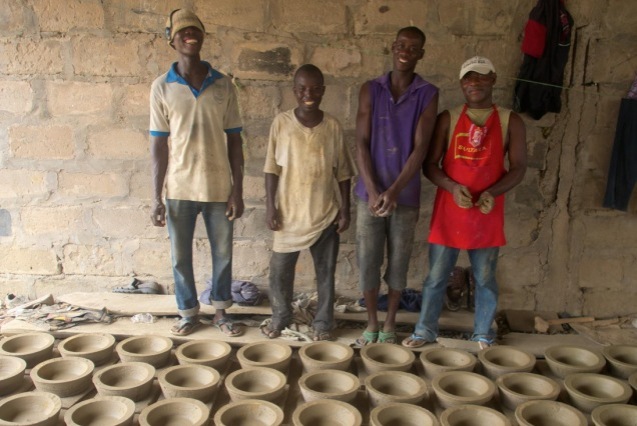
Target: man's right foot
(367,337)
(415,341)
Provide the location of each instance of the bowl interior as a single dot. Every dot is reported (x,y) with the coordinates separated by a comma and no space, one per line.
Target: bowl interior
(62,369)
(124,375)
(27,343)
(190,376)
(256,380)
(329,381)
(29,407)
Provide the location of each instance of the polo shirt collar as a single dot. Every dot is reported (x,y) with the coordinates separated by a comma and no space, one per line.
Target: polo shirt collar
(174,77)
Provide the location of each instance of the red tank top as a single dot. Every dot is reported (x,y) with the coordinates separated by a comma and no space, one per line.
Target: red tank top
(475,159)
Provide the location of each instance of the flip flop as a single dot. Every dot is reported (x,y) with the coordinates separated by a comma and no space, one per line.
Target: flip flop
(321,335)
(367,338)
(269,332)
(185,326)
(229,331)
(415,341)
(387,337)
(139,287)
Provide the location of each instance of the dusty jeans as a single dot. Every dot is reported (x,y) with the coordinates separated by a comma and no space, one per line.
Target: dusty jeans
(282,266)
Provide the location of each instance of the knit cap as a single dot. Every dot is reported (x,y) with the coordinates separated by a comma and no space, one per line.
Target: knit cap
(180,19)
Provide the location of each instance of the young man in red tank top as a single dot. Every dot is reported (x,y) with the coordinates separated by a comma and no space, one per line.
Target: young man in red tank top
(466,161)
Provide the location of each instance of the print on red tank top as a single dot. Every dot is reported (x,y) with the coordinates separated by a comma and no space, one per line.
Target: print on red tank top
(475,159)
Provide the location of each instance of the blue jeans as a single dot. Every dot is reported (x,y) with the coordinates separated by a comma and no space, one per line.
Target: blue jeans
(181,217)
(373,234)
(442,259)
(324,253)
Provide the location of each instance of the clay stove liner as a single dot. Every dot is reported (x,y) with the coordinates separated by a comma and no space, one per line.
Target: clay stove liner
(249,412)
(263,383)
(329,384)
(440,360)
(473,415)
(31,347)
(106,410)
(517,388)
(565,360)
(614,414)
(549,413)
(211,353)
(326,412)
(394,386)
(175,411)
(131,380)
(462,387)
(588,391)
(622,359)
(401,414)
(11,373)
(326,356)
(382,357)
(63,376)
(153,350)
(189,381)
(265,354)
(98,347)
(499,360)
(30,409)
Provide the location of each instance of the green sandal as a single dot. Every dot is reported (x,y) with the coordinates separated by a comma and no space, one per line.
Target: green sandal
(367,338)
(387,337)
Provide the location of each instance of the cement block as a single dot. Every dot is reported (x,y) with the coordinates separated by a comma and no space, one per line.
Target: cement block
(16,97)
(118,144)
(75,98)
(27,57)
(328,16)
(63,16)
(49,142)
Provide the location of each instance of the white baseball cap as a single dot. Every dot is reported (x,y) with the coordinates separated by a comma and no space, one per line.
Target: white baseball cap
(478,64)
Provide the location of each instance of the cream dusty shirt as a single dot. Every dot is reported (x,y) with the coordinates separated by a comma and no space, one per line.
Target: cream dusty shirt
(310,162)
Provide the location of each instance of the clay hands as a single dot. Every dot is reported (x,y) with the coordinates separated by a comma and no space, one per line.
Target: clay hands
(462,196)
(485,203)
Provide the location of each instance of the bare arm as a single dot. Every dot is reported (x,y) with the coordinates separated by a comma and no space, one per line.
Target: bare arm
(235,204)
(386,202)
(343,218)
(159,155)
(363,136)
(272,219)
(517,157)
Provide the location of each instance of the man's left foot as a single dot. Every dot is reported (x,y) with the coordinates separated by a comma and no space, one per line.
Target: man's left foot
(227,327)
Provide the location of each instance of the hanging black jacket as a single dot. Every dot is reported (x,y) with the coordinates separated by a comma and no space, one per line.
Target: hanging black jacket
(546,44)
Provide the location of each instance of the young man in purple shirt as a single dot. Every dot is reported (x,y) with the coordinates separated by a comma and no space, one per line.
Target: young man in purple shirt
(395,121)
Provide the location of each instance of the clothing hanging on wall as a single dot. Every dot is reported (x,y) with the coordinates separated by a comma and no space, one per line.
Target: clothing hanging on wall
(546,44)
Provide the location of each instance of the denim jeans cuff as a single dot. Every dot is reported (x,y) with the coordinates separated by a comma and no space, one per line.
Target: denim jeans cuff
(185,313)
(221,304)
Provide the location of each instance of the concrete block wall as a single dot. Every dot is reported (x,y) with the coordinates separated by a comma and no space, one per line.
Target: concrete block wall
(74,161)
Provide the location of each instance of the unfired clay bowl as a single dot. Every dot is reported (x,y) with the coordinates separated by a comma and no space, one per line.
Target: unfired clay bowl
(98,347)
(269,354)
(549,413)
(263,383)
(401,414)
(175,411)
(30,409)
(329,384)
(326,412)
(189,381)
(101,410)
(249,412)
(632,381)
(499,360)
(63,376)
(622,359)
(211,353)
(383,357)
(565,360)
(11,373)
(517,388)
(326,355)
(473,415)
(153,350)
(588,390)
(614,415)
(462,387)
(132,380)
(440,360)
(31,347)
(394,386)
